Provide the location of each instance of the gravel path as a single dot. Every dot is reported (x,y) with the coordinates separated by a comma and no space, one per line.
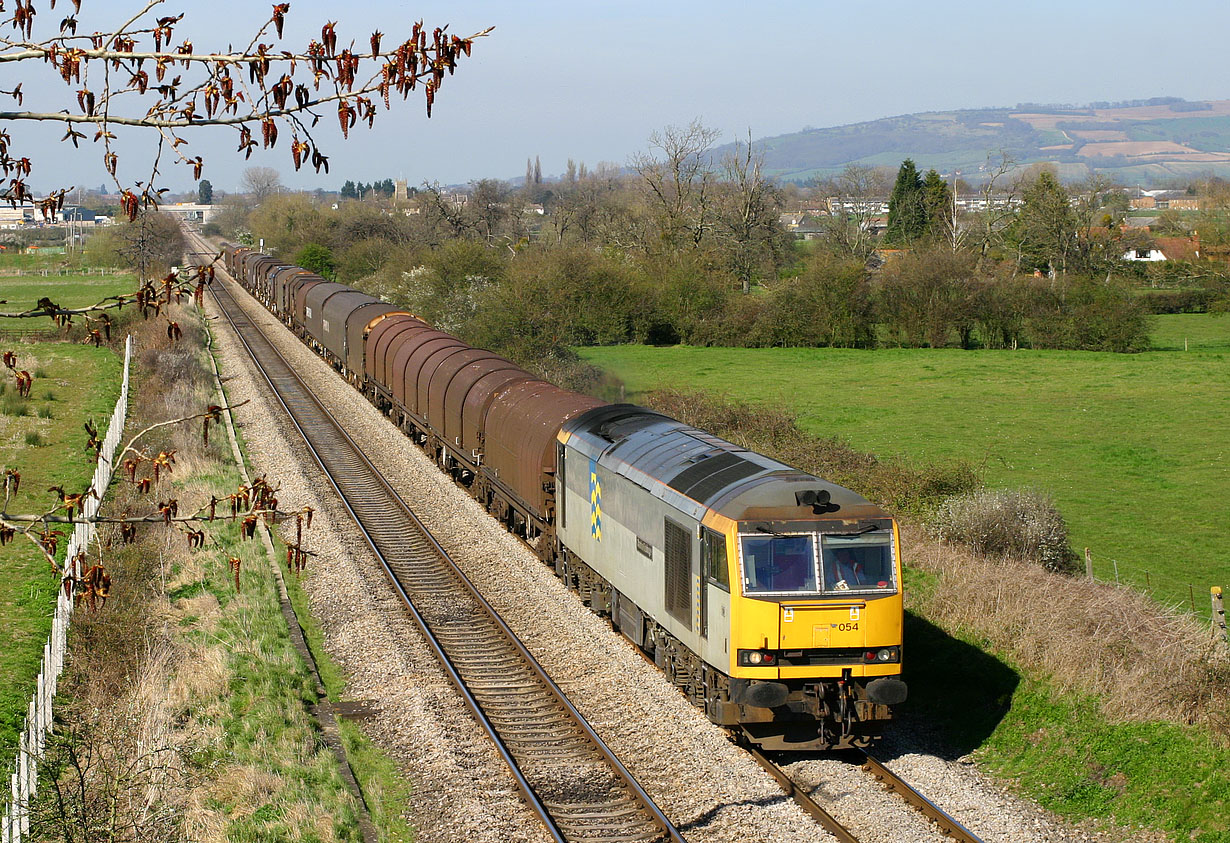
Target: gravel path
(705,784)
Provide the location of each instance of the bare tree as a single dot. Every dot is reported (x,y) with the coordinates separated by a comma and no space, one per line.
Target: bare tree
(152,243)
(261,182)
(677,175)
(858,191)
(747,221)
(998,198)
(133,77)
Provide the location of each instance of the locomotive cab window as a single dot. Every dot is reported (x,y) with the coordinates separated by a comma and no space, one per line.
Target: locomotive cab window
(713,559)
(779,564)
(858,563)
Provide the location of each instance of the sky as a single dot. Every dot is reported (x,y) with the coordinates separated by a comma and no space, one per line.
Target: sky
(592,81)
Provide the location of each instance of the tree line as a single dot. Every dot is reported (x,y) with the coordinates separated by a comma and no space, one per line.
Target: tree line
(683,246)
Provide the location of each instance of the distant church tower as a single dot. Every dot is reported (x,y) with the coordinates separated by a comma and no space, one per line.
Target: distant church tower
(399,191)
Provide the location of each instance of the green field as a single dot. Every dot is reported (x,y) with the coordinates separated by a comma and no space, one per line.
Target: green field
(72,383)
(22,292)
(1134,448)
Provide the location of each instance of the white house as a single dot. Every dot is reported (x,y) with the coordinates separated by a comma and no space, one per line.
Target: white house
(1149,254)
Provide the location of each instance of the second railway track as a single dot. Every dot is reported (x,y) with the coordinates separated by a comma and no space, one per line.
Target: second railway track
(579,789)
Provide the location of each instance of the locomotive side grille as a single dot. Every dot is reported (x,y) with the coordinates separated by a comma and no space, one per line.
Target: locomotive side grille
(678,552)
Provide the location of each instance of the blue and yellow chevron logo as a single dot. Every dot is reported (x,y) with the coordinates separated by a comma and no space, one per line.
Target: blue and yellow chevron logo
(595,502)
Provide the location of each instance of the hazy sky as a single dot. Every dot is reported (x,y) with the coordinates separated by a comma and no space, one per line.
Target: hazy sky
(592,80)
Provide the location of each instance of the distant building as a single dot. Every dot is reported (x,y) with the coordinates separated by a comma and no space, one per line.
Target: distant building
(15,217)
(1166,249)
(191,211)
(78,215)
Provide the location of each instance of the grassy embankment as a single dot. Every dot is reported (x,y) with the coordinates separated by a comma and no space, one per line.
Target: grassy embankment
(182,686)
(1112,430)
(1134,448)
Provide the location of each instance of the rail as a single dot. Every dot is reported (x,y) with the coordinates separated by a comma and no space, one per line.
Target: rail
(947,825)
(944,823)
(534,727)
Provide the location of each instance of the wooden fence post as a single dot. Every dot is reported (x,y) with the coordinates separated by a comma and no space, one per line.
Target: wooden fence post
(1088,564)
(1219,613)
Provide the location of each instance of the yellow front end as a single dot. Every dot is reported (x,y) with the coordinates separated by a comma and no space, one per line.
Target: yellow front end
(823,647)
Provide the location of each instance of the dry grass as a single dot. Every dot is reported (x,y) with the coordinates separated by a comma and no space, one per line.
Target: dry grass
(1144,661)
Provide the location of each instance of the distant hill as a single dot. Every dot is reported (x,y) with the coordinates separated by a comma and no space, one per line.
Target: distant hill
(1143,142)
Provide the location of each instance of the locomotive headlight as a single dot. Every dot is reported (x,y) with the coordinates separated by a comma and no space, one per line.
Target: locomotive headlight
(757,658)
(884,655)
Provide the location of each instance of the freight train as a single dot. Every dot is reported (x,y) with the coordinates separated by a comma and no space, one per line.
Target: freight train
(770,597)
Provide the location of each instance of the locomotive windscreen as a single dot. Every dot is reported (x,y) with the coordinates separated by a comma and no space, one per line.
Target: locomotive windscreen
(858,563)
(779,564)
(786,564)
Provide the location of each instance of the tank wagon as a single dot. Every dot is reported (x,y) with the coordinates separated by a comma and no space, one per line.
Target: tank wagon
(770,597)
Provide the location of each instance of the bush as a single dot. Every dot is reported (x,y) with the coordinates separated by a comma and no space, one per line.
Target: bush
(316,258)
(35,439)
(1177,301)
(44,412)
(14,405)
(1007,522)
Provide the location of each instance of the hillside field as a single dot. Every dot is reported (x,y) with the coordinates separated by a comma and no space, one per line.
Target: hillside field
(1134,448)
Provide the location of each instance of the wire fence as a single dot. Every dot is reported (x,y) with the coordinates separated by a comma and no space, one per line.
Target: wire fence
(15,823)
(1176,591)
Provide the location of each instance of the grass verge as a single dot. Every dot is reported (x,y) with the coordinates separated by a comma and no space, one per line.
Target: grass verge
(1059,748)
(385,790)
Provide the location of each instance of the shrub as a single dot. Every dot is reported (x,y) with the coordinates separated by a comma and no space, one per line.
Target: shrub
(35,439)
(49,395)
(1007,522)
(44,412)
(1177,301)
(316,258)
(14,405)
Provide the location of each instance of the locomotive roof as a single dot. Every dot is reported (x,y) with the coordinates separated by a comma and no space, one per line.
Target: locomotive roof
(695,471)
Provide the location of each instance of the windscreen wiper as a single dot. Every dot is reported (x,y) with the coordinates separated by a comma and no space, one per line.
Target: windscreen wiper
(870,528)
(762,529)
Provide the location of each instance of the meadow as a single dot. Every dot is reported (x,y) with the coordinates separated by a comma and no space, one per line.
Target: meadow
(42,437)
(1135,449)
(68,282)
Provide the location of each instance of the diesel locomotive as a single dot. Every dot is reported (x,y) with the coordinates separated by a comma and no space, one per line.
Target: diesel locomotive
(770,597)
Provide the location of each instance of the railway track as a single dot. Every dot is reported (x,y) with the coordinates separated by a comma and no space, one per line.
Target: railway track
(944,823)
(587,802)
(568,777)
